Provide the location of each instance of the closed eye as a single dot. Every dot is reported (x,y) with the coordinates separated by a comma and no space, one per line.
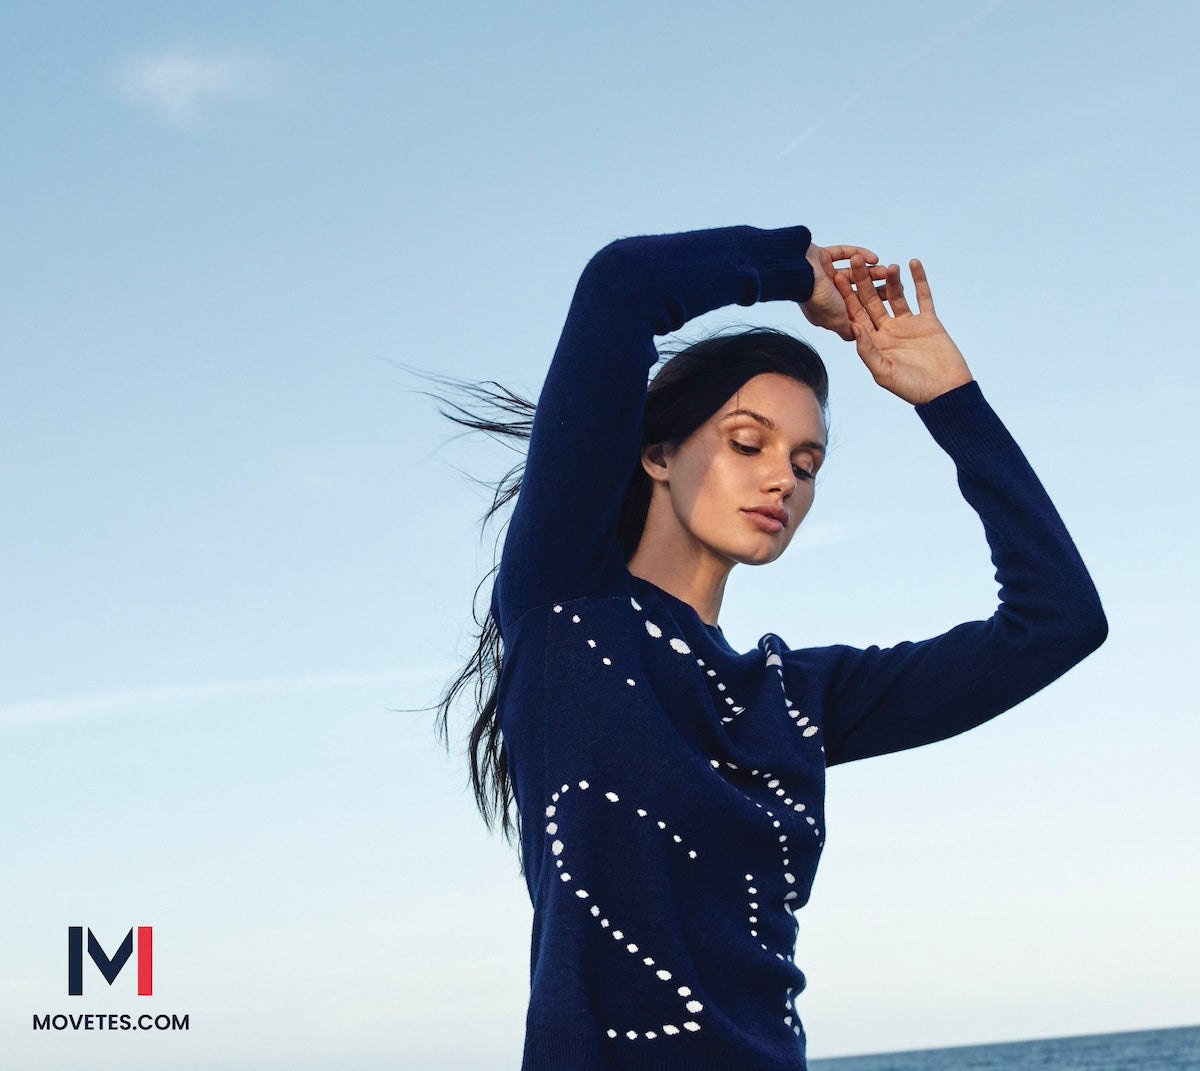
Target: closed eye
(743,448)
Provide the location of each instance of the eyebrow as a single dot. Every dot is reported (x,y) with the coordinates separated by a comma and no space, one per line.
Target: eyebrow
(770,425)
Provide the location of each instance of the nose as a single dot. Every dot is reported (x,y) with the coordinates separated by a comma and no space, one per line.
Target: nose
(780,480)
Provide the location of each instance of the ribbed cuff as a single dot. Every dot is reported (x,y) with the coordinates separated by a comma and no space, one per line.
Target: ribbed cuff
(786,273)
(963,423)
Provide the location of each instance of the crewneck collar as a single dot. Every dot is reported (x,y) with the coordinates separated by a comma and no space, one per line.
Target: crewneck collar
(686,609)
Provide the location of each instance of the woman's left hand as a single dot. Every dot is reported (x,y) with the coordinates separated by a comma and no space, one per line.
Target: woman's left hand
(909,354)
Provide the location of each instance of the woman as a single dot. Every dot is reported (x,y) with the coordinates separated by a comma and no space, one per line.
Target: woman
(669,788)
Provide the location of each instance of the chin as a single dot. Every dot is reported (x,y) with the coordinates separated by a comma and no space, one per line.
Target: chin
(762,556)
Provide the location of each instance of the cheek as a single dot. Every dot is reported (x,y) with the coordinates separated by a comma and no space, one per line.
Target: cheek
(799,505)
(706,481)
(692,490)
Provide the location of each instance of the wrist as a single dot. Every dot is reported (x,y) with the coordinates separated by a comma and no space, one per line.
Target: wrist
(787,270)
(943,390)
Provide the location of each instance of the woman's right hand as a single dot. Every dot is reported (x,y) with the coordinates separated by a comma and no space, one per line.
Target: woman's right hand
(826,308)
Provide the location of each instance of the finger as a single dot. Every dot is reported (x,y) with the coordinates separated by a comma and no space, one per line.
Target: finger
(894,292)
(844,287)
(865,289)
(859,319)
(881,291)
(845,252)
(867,352)
(851,298)
(875,271)
(921,282)
(850,295)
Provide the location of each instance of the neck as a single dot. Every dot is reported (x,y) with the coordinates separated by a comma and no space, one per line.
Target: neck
(675,562)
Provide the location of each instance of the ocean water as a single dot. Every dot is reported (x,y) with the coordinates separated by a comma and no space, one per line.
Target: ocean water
(1177,1049)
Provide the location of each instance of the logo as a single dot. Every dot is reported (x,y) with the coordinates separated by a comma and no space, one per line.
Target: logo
(110,966)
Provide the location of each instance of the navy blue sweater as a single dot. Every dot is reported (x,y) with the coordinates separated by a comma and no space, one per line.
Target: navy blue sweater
(670,788)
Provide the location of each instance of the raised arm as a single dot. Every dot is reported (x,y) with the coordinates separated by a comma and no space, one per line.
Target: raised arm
(1049,617)
(587,429)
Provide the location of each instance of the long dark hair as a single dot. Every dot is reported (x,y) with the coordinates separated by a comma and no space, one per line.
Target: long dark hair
(688,389)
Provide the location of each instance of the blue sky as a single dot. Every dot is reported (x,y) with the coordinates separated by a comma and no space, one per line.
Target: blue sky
(235,542)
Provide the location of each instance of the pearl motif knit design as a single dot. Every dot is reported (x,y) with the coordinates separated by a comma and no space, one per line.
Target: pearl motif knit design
(633,946)
(762,780)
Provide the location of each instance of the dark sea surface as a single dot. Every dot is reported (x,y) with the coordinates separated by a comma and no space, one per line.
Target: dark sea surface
(1146,1050)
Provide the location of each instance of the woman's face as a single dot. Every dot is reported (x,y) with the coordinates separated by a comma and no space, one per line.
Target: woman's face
(756,456)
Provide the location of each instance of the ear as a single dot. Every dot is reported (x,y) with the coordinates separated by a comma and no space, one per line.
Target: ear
(656,461)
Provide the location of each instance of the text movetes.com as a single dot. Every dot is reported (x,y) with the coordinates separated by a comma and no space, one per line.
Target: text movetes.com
(110,1021)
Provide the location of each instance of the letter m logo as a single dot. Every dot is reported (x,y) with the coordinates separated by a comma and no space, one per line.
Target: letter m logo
(110,966)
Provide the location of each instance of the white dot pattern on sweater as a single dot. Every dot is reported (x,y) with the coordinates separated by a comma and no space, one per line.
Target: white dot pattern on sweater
(677,644)
(746,781)
(690,1007)
(776,660)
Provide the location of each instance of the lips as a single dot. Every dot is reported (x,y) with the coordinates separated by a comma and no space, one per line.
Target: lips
(777,512)
(769,518)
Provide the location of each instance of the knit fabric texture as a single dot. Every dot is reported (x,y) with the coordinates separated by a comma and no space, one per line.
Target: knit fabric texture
(671,788)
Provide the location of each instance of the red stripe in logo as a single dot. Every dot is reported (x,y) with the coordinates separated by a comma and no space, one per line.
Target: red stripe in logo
(145,960)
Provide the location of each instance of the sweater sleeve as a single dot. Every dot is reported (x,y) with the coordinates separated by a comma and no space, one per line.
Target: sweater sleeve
(1049,617)
(587,430)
